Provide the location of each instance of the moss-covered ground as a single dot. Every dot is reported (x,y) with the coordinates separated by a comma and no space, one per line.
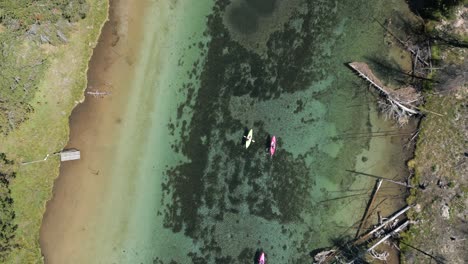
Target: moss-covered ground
(438,232)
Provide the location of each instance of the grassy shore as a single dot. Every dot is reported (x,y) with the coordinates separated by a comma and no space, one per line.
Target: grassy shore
(47,128)
(440,171)
(440,164)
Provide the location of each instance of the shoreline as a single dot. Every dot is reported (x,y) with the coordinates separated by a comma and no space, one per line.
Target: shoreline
(114,56)
(102,199)
(440,162)
(59,91)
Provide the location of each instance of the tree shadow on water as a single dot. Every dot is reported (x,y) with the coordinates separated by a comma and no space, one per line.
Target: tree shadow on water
(244,136)
(257,256)
(267,143)
(381,67)
(433,9)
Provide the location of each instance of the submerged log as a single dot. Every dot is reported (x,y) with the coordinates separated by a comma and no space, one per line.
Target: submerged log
(369,206)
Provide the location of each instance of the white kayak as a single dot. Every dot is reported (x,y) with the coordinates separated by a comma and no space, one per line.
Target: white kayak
(248,139)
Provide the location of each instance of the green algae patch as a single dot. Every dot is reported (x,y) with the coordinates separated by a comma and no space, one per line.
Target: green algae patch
(46,129)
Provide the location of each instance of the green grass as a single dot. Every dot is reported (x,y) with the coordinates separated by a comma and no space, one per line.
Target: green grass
(436,53)
(27,26)
(46,130)
(439,149)
(439,141)
(20,14)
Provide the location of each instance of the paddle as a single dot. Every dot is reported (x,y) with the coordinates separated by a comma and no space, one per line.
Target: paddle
(247,138)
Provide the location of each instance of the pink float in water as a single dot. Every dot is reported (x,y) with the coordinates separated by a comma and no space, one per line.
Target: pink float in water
(261,259)
(273,145)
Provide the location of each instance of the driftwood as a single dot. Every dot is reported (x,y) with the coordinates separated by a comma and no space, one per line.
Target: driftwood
(379,227)
(98,93)
(389,234)
(398,229)
(380,256)
(324,255)
(399,104)
(334,255)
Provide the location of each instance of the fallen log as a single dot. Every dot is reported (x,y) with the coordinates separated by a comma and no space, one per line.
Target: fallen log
(398,104)
(334,254)
(402,99)
(373,231)
(398,229)
(392,233)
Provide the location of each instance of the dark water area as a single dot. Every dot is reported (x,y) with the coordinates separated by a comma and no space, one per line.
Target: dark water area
(434,9)
(286,78)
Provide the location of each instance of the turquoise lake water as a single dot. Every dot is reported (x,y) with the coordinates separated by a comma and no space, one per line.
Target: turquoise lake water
(195,194)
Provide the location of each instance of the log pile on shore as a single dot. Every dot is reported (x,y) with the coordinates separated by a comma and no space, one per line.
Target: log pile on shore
(356,250)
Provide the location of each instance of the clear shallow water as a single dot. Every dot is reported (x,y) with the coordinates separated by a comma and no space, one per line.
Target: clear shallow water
(184,189)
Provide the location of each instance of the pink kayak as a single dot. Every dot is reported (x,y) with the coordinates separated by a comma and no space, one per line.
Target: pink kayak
(261,260)
(273,145)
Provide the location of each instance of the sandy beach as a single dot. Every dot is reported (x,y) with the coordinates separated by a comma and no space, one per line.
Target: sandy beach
(96,213)
(80,192)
